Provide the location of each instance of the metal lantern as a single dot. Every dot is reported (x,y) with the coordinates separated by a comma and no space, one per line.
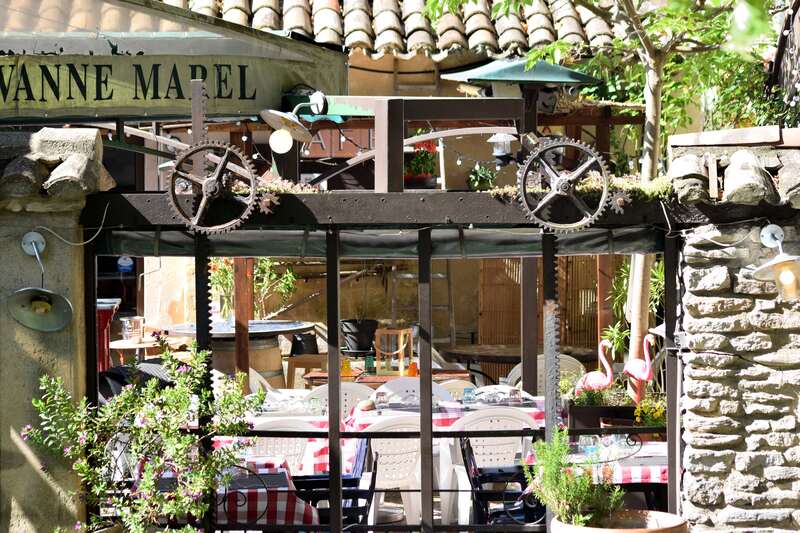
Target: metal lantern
(501,144)
(783,269)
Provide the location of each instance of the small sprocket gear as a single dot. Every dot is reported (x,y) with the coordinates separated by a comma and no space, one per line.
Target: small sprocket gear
(268,202)
(550,178)
(619,199)
(222,183)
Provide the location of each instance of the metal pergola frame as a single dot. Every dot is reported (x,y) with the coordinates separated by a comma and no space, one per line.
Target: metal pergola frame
(389,207)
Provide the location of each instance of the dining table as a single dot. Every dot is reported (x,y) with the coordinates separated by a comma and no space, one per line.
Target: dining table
(260,492)
(316,378)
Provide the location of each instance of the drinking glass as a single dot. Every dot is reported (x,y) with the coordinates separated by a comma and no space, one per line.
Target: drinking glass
(469,396)
(315,406)
(380,400)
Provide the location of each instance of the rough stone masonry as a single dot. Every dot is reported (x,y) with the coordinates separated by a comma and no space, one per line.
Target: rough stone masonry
(741,386)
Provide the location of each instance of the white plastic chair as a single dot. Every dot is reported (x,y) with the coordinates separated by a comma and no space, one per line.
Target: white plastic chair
(456,387)
(399,388)
(352,393)
(258,382)
(398,466)
(290,448)
(489,452)
(569,366)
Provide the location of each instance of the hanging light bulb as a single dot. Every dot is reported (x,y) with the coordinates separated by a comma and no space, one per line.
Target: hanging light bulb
(497,168)
(281,141)
(244,138)
(477,165)
(458,161)
(783,269)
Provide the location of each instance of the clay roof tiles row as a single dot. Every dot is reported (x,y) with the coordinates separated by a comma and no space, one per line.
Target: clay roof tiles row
(400,27)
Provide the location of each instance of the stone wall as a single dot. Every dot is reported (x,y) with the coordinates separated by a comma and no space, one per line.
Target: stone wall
(44,178)
(740,388)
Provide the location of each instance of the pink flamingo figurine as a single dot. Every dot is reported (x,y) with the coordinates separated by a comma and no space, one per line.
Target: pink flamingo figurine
(641,371)
(596,381)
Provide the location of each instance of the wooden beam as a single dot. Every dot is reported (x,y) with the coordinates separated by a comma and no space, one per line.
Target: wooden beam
(739,136)
(589,120)
(243,309)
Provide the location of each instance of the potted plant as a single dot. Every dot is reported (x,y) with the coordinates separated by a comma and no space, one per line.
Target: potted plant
(420,167)
(578,504)
(481,178)
(122,450)
(584,410)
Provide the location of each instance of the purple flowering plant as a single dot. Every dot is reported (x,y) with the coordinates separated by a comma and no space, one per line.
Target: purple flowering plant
(122,449)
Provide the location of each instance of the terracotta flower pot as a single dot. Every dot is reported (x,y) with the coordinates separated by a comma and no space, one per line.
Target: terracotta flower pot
(630,522)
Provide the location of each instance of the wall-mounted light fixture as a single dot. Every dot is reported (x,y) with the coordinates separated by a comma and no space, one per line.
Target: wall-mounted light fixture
(287,126)
(783,269)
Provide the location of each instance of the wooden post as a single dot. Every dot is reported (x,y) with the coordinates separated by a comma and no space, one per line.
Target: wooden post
(605,275)
(390,130)
(243,309)
(334,379)
(424,247)
(602,134)
(529,325)
(672,297)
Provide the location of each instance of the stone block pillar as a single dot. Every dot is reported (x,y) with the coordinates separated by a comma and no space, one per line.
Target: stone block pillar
(44,178)
(741,386)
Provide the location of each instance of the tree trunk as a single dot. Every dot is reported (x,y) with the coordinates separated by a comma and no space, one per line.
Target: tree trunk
(639,288)
(651,141)
(639,292)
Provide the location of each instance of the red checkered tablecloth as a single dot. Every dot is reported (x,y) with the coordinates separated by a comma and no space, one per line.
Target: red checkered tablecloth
(620,474)
(264,506)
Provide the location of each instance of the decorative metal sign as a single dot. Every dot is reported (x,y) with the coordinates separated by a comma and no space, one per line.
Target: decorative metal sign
(139,86)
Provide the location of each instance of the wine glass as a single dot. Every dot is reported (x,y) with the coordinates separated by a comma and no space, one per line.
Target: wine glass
(380,400)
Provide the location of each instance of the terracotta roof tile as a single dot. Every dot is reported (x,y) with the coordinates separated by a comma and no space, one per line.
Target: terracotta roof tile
(400,27)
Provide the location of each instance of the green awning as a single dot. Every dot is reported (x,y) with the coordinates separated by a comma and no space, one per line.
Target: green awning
(516,71)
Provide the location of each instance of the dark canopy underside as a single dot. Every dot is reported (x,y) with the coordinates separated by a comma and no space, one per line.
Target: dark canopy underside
(384,244)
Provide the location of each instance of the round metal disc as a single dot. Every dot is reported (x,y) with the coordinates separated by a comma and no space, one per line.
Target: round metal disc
(278,120)
(771,235)
(40,309)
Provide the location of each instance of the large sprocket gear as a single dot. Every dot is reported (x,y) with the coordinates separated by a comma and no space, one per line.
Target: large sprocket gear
(224,192)
(548,184)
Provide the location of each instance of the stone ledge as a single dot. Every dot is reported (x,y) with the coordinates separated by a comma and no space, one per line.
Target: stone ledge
(51,170)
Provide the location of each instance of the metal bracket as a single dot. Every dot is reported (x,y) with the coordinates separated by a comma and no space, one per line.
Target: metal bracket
(33,244)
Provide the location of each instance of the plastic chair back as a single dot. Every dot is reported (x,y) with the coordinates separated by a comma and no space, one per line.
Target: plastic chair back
(398,458)
(351,394)
(496,451)
(290,448)
(400,388)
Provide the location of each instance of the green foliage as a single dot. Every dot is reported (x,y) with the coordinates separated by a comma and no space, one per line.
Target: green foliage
(652,411)
(268,279)
(618,335)
(481,178)
(423,163)
(619,290)
(705,46)
(146,424)
(568,490)
(616,395)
